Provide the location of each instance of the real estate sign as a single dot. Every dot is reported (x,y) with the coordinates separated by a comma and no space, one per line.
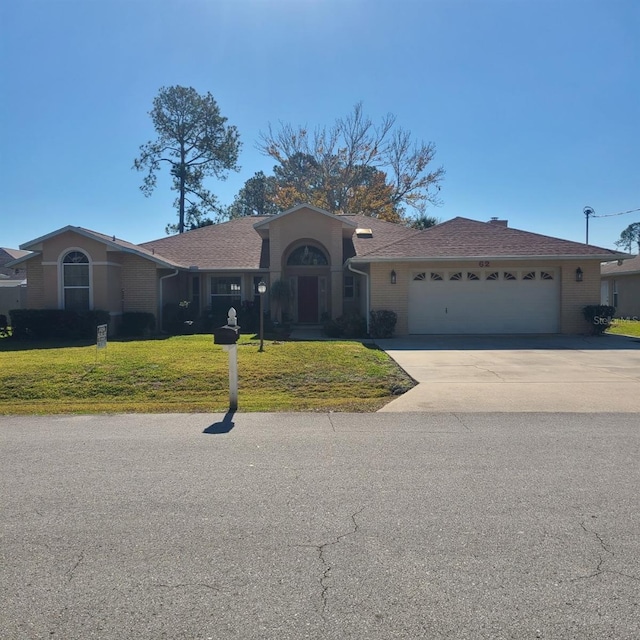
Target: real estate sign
(101,339)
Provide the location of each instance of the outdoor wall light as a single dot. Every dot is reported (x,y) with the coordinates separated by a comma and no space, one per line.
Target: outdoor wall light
(578,274)
(262,289)
(393,277)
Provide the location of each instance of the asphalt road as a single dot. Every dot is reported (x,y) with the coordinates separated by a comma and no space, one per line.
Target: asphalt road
(331,526)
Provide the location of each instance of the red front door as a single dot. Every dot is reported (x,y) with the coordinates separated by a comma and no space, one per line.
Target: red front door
(308,299)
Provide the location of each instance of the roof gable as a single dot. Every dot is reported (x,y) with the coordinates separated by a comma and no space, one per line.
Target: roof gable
(268,219)
(113,243)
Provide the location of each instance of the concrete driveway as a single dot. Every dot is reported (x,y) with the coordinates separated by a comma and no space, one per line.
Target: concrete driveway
(513,373)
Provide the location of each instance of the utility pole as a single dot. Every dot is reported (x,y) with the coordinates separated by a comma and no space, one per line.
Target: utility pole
(588,211)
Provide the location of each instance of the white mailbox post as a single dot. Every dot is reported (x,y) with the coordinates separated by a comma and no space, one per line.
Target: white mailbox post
(227,336)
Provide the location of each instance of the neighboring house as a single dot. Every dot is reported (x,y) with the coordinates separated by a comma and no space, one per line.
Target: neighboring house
(461,276)
(621,287)
(13,281)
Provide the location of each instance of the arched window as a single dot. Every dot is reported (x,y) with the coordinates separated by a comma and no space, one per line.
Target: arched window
(307,256)
(75,281)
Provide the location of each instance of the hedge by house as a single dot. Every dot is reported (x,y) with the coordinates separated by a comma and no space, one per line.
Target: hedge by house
(56,324)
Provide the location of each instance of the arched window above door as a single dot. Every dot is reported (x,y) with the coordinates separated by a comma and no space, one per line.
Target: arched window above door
(307,255)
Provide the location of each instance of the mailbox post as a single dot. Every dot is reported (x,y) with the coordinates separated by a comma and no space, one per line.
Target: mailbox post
(227,336)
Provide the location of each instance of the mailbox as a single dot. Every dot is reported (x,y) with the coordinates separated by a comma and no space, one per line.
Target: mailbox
(225,335)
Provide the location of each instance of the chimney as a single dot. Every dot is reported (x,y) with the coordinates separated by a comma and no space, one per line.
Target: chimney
(501,223)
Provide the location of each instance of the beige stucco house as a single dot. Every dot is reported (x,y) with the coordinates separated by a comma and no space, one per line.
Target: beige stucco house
(13,283)
(459,277)
(621,287)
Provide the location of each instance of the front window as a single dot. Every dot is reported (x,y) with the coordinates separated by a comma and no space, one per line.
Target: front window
(225,293)
(349,287)
(307,256)
(75,281)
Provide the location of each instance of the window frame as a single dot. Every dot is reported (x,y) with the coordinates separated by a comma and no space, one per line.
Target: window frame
(63,287)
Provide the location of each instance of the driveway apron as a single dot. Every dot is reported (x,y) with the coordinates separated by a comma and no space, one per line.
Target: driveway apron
(518,373)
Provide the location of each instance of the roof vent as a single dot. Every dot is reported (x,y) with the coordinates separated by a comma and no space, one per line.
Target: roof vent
(361,232)
(501,223)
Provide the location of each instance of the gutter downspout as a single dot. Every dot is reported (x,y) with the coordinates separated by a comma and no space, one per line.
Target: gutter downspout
(170,275)
(366,290)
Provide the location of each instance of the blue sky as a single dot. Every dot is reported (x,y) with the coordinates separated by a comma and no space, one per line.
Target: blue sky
(533,105)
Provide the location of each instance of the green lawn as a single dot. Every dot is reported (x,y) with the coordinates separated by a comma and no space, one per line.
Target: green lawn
(190,374)
(625,327)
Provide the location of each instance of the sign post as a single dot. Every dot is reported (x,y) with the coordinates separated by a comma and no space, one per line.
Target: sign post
(101,338)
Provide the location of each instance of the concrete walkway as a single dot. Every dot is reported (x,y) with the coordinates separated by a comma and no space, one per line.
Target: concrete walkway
(515,374)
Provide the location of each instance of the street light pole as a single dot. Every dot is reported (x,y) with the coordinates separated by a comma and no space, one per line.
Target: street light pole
(262,289)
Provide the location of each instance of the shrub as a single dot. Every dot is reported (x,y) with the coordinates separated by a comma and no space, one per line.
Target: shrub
(351,325)
(382,323)
(599,316)
(136,324)
(178,318)
(56,324)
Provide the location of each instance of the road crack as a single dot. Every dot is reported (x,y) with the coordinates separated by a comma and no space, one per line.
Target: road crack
(497,375)
(461,421)
(75,566)
(601,557)
(186,585)
(326,566)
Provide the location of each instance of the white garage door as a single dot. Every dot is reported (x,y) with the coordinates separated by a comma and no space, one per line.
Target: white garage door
(484,301)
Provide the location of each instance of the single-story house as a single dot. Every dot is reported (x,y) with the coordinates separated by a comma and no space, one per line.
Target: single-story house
(621,287)
(461,276)
(13,281)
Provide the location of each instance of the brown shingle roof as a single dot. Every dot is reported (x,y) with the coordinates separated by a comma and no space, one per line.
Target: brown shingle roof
(628,266)
(229,245)
(465,238)
(383,234)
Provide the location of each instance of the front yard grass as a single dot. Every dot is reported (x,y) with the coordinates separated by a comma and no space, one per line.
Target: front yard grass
(625,327)
(187,374)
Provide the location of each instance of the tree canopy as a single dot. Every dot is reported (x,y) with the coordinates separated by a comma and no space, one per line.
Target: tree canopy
(353,166)
(629,237)
(196,143)
(256,198)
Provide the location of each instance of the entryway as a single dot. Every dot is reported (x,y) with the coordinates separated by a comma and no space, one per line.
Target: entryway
(308,299)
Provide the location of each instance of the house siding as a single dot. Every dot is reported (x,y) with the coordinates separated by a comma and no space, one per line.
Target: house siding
(35,284)
(139,285)
(628,287)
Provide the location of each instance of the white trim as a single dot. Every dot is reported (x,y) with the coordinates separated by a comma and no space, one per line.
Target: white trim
(486,257)
(107,264)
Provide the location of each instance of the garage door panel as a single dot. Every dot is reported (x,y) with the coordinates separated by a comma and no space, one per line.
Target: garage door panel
(484,306)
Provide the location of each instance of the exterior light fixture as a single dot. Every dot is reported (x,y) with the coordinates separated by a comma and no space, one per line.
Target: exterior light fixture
(578,274)
(262,289)
(393,277)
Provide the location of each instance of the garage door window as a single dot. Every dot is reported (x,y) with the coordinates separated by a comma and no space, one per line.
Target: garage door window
(456,276)
(545,275)
(436,276)
(529,276)
(472,276)
(420,276)
(509,276)
(493,276)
